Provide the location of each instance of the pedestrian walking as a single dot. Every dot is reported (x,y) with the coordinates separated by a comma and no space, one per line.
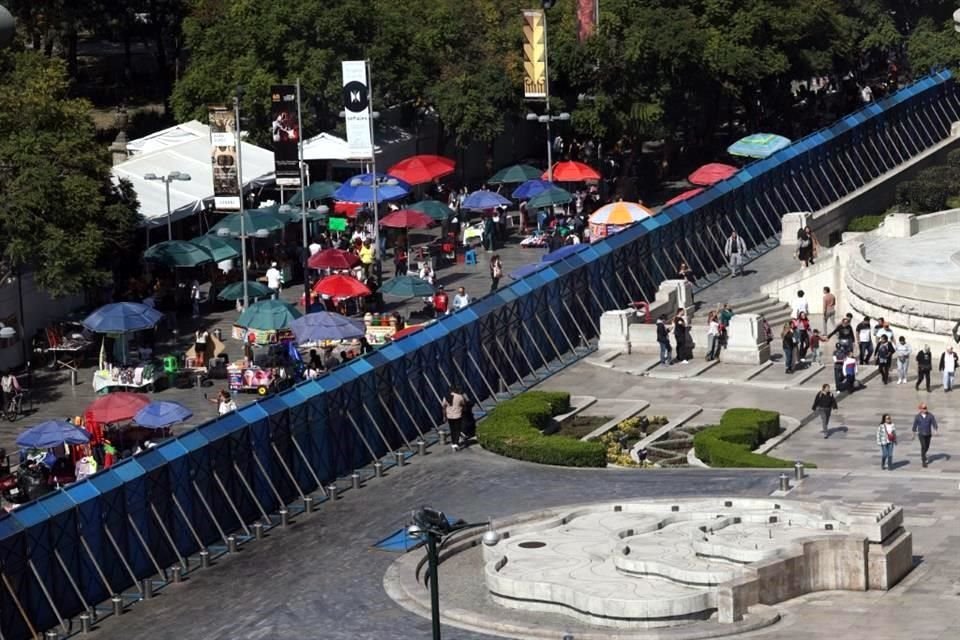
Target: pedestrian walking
(680,335)
(816,344)
(829,309)
(924,426)
(453,406)
(735,249)
(884,359)
(948,367)
(461,299)
(839,355)
(663,339)
(801,335)
(787,342)
(903,353)
(274,278)
(865,339)
(824,404)
(400,261)
(496,272)
(799,305)
(850,370)
(886,440)
(805,246)
(713,336)
(844,333)
(924,366)
(195,297)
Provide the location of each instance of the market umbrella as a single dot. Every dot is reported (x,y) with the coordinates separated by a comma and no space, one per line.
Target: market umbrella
(436,210)
(340,286)
(565,251)
(220,248)
(620,213)
(549,197)
(711,173)
(406,219)
(403,333)
(360,188)
(268,315)
(122,317)
(315,191)
(177,253)
(254,220)
(324,325)
(571,171)
(515,174)
(161,414)
(52,433)
(683,196)
(483,199)
(333,259)
(407,287)
(234,290)
(530,188)
(116,407)
(422,168)
(295,214)
(527,269)
(758,145)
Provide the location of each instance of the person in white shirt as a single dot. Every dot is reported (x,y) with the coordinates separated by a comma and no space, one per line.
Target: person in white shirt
(903,353)
(948,365)
(315,248)
(273,279)
(800,305)
(461,300)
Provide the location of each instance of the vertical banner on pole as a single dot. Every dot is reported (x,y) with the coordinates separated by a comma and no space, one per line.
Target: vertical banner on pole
(586,18)
(356,105)
(223,141)
(534,56)
(285,131)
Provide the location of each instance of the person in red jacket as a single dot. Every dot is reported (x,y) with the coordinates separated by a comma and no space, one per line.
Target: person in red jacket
(441,302)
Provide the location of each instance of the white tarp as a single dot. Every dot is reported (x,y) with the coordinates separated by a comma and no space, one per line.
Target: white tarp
(184,148)
(327,146)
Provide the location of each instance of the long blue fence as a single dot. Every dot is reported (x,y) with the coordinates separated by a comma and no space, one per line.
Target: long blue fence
(73,550)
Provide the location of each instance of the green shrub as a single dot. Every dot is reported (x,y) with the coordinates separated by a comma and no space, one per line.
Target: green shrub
(731,443)
(513,429)
(953,158)
(929,191)
(864,223)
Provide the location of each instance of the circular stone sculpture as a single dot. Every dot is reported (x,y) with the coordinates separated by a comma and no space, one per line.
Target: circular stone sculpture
(690,568)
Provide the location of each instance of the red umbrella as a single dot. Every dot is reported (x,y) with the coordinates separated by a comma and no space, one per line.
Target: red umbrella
(333,259)
(116,407)
(711,173)
(683,196)
(406,331)
(571,171)
(422,168)
(406,219)
(348,209)
(339,286)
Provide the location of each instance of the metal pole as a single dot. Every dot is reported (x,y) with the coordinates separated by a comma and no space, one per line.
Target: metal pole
(546,90)
(433,560)
(303,205)
(166,184)
(243,231)
(378,267)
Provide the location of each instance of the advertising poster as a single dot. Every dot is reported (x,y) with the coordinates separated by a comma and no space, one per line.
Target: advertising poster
(356,107)
(285,132)
(223,141)
(534,56)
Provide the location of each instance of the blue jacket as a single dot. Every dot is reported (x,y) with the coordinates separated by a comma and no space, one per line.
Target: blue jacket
(925,425)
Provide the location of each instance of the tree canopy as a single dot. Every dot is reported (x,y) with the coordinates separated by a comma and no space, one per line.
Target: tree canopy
(59,212)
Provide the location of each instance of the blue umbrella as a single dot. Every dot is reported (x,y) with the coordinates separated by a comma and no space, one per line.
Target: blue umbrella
(527,269)
(758,145)
(563,252)
(483,199)
(122,317)
(360,189)
(324,325)
(52,433)
(531,188)
(161,413)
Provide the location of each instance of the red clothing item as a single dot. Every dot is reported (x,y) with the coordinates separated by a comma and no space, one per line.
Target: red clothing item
(441,301)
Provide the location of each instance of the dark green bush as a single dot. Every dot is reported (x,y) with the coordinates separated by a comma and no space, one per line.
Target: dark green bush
(864,223)
(513,429)
(953,158)
(731,443)
(929,191)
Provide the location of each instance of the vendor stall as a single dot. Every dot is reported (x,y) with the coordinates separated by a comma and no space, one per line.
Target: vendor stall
(139,378)
(253,378)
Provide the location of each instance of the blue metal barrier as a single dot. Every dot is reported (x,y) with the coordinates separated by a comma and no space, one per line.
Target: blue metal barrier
(74,549)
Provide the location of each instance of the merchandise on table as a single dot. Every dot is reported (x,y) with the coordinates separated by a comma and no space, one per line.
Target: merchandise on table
(127,377)
(380,327)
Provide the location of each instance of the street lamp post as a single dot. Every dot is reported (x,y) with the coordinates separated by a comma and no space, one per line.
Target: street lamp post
(546,119)
(432,527)
(376,182)
(166,180)
(243,230)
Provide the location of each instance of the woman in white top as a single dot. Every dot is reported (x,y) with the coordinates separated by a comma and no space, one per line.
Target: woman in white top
(886,440)
(713,336)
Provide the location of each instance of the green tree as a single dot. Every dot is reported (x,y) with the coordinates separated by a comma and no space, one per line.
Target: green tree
(59,213)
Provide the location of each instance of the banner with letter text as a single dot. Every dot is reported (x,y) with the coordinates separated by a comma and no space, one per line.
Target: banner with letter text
(587,18)
(285,132)
(356,107)
(223,141)
(534,56)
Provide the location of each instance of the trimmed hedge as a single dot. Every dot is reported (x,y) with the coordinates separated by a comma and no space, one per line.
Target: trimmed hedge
(864,223)
(513,429)
(731,443)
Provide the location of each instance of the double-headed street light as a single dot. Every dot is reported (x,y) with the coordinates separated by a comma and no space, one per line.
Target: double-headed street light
(546,119)
(432,527)
(166,180)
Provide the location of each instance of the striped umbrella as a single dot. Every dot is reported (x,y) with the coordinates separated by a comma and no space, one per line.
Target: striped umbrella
(620,213)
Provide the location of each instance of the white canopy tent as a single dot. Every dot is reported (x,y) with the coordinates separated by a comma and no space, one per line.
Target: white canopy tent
(184,148)
(327,146)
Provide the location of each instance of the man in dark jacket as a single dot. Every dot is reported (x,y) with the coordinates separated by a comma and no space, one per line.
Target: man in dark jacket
(824,404)
(924,366)
(924,425)
(844,333)
(663,339)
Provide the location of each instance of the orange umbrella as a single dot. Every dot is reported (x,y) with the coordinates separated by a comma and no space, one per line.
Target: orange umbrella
(422,168)
(571,171)
(340,286)
(620,213)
